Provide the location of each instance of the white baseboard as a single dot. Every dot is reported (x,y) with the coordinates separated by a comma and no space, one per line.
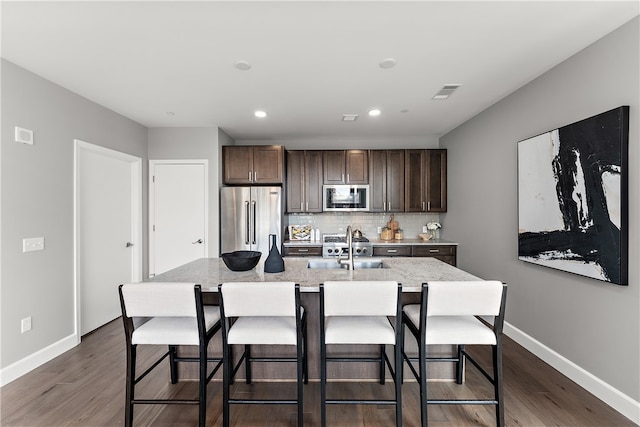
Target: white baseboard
(594,385)
(29,363)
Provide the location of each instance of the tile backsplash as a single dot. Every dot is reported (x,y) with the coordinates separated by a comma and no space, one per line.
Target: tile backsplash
(368,223)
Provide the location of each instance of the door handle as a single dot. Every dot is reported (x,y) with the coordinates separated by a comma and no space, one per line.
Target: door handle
(199,241)
(253,205)
(247,229)
(129,244)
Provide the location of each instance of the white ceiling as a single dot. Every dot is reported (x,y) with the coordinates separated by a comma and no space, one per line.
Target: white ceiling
(311,61)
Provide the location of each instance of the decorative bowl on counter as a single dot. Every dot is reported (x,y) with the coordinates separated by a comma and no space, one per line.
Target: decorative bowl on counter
(425,236)
(241,260)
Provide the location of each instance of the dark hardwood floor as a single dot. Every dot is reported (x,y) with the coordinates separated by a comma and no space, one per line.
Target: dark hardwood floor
(85,387)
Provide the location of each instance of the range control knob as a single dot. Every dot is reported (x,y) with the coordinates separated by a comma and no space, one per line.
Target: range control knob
(364,250)
(358,250)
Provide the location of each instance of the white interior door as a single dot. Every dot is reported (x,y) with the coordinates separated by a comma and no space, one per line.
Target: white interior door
(178,207)
(108,230)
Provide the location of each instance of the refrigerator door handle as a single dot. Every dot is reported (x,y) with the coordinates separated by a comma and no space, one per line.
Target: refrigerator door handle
(246,228)
(253,205)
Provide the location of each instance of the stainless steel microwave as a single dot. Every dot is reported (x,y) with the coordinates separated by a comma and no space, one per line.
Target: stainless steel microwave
(345,198)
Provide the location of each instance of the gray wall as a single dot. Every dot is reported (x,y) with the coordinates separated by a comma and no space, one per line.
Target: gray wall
(591,323)
(193,143)
(37,200)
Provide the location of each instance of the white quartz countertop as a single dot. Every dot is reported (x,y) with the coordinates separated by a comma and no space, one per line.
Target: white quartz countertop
(411,272)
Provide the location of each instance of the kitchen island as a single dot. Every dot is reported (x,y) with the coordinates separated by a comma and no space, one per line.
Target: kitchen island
(411,272)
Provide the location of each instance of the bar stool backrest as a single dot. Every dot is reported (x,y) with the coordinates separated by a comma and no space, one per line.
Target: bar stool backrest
(479,298)
(360,298)
(259,299)
(159,299)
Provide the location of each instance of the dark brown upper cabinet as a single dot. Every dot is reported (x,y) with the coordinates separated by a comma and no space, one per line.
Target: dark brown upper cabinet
(346,167)
(425,180)
(386,168)
(258,165)
(304,181)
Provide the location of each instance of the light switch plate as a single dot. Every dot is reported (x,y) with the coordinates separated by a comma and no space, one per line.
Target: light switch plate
(33,244)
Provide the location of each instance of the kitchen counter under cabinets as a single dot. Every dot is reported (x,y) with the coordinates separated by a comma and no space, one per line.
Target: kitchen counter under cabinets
(443,250)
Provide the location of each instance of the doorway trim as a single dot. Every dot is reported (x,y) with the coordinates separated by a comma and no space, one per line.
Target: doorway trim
(152,209)
(136,219)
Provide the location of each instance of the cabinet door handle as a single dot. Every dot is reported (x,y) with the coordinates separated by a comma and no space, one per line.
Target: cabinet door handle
(384,206)
(348,179)
(392,251)
(249,176)
(342,177)
(301,206)
(303,250)
(255,176)
(423,206)
(307,206)
(434,251)
(429,206)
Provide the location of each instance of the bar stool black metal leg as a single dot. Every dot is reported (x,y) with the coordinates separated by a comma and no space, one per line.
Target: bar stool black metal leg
(202,401)
(130,386)
(227,369)
(497,382)
(460,364)
(398,382)
(382,365)
(247,363)
(422,356)
(173,365)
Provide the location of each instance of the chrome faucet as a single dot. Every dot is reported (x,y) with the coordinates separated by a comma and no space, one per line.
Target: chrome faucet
(349,261)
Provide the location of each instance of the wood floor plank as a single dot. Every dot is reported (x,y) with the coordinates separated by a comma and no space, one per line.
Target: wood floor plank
(85,387)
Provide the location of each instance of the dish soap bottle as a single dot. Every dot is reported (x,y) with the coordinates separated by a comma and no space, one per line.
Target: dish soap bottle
(274,262)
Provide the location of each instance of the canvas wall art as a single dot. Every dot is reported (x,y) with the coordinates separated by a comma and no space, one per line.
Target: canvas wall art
(573,197)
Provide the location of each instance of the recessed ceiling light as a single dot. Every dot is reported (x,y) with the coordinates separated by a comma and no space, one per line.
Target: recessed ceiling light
(404,110)
(387,63)
(375,112)
(349,117)
(242,65)
(261,114)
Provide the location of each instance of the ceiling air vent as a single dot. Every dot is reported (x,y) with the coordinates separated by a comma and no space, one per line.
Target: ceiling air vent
(349,117)
(446,91)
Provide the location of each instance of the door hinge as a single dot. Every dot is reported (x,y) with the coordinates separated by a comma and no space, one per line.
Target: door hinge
(153,178)
(154,227)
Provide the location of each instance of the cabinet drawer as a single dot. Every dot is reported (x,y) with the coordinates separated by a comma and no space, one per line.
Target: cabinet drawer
(392,251)
(433,250)
(303,251)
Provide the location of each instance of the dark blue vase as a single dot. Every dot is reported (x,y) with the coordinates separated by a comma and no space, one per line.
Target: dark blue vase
(274,262)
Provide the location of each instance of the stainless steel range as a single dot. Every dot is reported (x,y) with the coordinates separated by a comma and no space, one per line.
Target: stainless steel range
(335,245)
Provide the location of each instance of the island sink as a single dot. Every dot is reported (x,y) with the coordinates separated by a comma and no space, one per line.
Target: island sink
(333,263)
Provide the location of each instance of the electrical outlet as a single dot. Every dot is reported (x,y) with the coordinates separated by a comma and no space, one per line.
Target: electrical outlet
(26,325)
(425,229)
(33,244)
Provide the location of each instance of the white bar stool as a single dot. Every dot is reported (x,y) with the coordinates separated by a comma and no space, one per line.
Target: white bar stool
(448,314)
(169,314)
(356,312)
(262,313)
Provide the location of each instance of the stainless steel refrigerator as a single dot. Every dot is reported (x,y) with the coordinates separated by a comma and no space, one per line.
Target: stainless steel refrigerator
(247,216)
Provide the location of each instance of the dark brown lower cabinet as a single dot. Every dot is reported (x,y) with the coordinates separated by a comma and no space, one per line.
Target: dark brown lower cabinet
(446,253)
(303,251)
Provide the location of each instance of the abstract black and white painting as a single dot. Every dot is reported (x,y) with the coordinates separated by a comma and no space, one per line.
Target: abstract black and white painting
(573,197)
